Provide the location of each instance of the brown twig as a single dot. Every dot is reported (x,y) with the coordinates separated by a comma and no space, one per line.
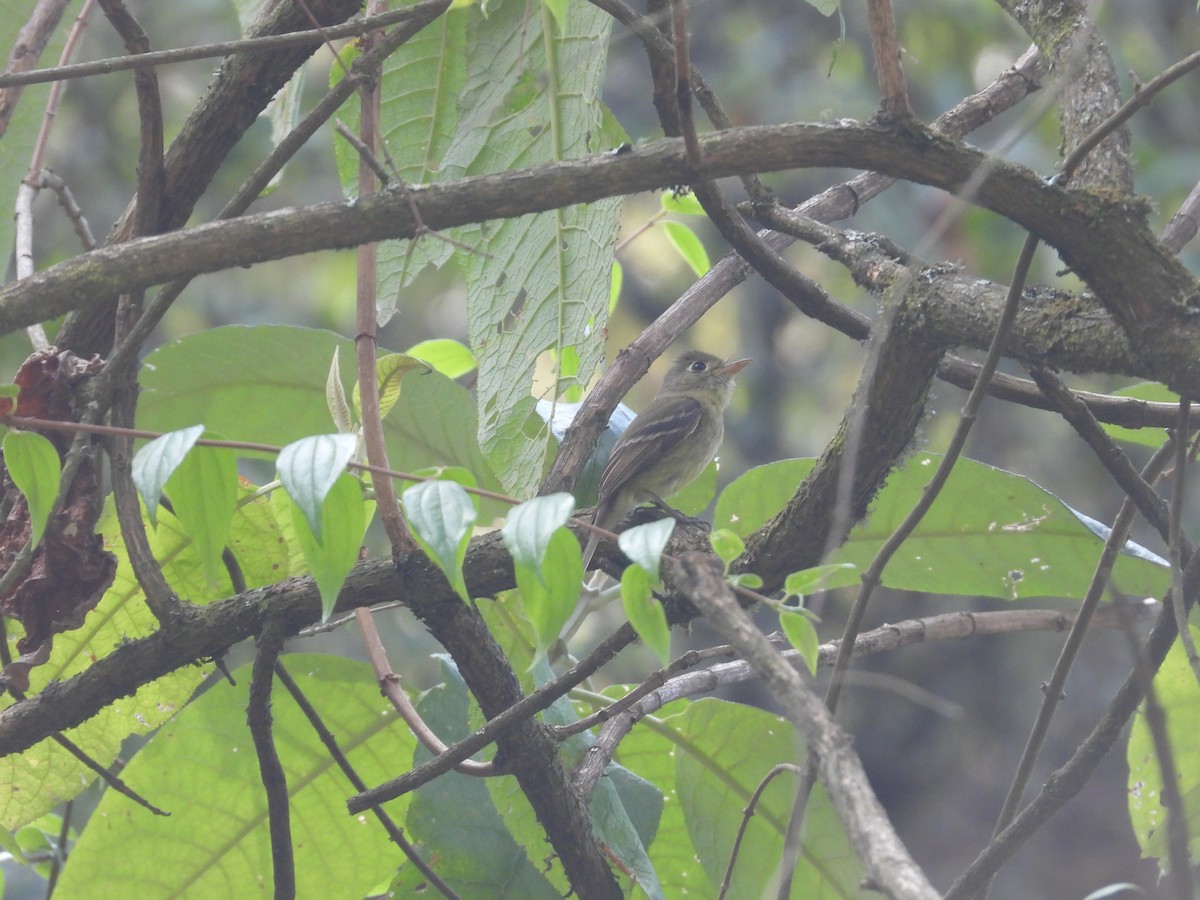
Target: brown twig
(882,855)
(274,779)
(893,89)
(208,51)
(389,686)
(395,832)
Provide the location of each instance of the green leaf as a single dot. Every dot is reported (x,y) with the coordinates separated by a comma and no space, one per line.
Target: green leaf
(803,636)
(390,370)
(617,279)
(308,469)
(202,767)
(727,545)
(530,526)
(1151,392)
(551,592)
(204,492)
(684,204)
(558,8)
(1175,688)
(722,751)
(452,358)
(538,282)
(154,464)
(35,469)
(455,820)
(644,544)
(645,613)
(824,7)
(440,514)
(38,779)
(820,578)
(688,245)
(335,397)
(990,533)
(344,518)
(267,384)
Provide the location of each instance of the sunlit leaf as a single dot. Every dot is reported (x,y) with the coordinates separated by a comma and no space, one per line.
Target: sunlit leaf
(644,544)
(803,636)
(688,245)
(452,358)
(35,469)
(308,469)
(203,490)
(440,514)
(202,767)
(530,526)
(344,518)
(645,613)
(990,532)
(154,463)
(390,370)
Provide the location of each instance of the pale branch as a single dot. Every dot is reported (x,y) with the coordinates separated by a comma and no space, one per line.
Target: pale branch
(648,697)
(888,865)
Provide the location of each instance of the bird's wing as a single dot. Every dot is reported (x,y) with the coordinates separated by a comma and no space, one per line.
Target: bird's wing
(648,439)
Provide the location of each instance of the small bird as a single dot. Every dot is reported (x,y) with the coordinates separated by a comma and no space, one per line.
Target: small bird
(669,443)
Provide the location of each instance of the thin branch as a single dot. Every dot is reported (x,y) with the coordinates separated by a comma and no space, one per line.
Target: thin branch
(1068,781)
(389,686)
(887,863)
(206,51)
(1179,864)
(530,705)
(60,848)
(30,41)
(1184,224)
(1175,550)
(395,832)
(274,779)
(747,815)
(893,89)
(1053,689)
(1142,98)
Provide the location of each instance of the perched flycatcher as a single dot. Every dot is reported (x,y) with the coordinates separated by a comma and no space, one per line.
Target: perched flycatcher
(670,442)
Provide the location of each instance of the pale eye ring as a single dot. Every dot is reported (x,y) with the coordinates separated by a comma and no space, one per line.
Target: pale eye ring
(698,366)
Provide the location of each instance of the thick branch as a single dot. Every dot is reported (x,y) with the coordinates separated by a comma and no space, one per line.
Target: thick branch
(1106,243)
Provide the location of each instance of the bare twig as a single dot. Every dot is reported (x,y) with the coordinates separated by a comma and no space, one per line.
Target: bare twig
(258,717)
(883,856)
(893,89)
(395,832)
(1054,686)
(1175,550)
(389,686)
(206,51)
(1179,864)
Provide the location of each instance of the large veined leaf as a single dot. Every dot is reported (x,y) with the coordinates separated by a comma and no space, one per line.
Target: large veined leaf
(203,768)
(708,757)
(545,283)
(35,781)
(485,93)
(454,820)
(267,384)
(990,533)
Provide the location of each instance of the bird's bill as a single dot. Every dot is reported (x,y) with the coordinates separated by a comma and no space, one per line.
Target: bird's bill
(732,368)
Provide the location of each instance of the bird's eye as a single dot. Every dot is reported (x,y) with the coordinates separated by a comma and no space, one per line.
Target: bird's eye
(698,366)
